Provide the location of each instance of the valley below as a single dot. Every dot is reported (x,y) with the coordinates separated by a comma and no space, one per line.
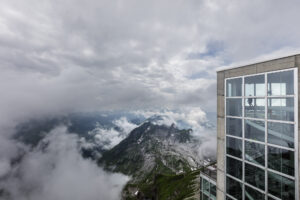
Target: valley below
(160,157)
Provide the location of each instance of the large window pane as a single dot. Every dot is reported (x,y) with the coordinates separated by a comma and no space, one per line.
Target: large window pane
(255,107)
(281,187)
(255,152)
(281,108)
(281,134)
(228,198)
(251,194)
(201,184)
(205,186)
(234,188)
(281,83)
(255,85)
(234,107)
(234,147)
(255,130)
(213,191)
(234,126)
(234,87)
(255,176)
(205,197)
(234,167)
(281,160)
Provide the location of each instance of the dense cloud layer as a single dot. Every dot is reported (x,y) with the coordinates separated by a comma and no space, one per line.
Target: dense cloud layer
(56,170)
(107,138)
(203,131)
(59,57)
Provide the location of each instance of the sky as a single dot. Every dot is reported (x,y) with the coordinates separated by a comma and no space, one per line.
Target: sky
(61,57)
(72,56)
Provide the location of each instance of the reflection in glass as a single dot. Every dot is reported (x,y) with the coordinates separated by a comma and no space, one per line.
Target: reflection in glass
(234,188)
(255,153)
(281,187)
(234,107)
(228,198)
(252,194)
(255,85)
(281,160)
(201,184)
(234,147)
(255,107)
(255,176)
(213,191)
(205,187)
(281,83)
(234,126)
(255,130)
(281,134)
(281,108)
(234,87)
(234,167)
(205,197)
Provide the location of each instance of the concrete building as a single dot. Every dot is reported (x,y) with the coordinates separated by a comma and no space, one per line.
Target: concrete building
(257,120)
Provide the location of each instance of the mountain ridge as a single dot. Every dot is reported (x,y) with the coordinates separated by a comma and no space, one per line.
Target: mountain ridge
(151,150)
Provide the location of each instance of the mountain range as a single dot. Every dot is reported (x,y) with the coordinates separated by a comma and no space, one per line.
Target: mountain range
(161,159)
(151,151)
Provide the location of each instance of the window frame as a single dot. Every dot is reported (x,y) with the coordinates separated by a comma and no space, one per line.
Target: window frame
(266,144)
(210,181)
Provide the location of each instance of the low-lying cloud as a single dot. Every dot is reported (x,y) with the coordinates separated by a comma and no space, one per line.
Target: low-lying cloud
(189,118)
(107,138)
(61,57)
(56,170)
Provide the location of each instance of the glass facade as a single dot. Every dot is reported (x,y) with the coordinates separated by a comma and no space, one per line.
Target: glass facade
(255,153)
(255,107)
(234,147)
(234,127)
(252,194)
(254,130)
(260,154)
(234,167)
(208,188)
(281,134)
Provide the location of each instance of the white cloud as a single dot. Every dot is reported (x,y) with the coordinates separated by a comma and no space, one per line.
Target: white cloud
(204,133)
(192,117)
(58,57)
(107,138)
(56,170)
(125,125)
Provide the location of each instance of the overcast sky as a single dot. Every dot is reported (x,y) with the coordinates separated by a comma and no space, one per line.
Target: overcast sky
(68,56)
(64,56)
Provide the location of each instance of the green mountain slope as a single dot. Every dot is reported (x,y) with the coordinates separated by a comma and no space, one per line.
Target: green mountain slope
(154,156)
(168,187)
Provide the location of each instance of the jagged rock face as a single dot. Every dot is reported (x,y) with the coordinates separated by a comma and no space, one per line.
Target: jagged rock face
(152,148)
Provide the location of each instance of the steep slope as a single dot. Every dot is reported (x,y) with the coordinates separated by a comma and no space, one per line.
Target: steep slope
(150,151)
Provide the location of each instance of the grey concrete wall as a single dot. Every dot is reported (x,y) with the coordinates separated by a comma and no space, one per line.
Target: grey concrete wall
(272,65)
(297,64)
(220,135)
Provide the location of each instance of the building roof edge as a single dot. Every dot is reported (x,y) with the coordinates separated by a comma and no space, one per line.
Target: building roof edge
(253,63)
